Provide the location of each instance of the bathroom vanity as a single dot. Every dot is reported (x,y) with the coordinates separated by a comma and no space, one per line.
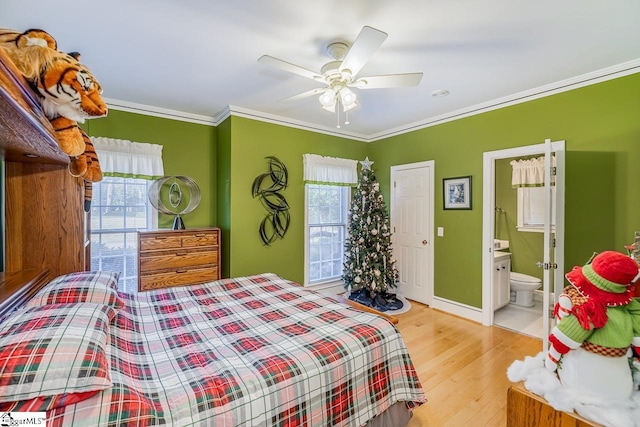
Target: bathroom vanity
(501,270)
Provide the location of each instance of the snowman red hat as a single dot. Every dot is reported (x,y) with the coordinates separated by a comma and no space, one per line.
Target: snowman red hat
(607,281)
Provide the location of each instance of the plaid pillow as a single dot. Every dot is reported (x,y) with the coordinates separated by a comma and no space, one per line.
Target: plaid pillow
(98,287)
(53,355)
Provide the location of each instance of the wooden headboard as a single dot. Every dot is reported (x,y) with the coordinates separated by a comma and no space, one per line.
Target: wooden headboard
(44,220)
(17,288)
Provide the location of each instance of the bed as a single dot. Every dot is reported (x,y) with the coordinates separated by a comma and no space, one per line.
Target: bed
(254,351)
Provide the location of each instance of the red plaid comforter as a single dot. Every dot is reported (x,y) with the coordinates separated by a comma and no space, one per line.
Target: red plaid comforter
(254,351)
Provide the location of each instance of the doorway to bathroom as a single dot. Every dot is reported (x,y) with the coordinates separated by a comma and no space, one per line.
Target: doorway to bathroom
(500,276)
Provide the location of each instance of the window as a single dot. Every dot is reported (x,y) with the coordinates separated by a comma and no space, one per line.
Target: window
(528,176)
(120,208)
(327,181)
(531,209)
(327,208)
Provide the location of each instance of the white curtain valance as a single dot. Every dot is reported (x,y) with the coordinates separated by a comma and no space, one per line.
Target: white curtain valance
(330,170)
(119,157)
(530,173)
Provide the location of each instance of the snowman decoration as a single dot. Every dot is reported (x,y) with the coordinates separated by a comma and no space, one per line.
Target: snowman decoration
(597,329)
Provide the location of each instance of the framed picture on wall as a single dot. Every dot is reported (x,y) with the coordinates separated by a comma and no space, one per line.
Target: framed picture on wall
(457,192)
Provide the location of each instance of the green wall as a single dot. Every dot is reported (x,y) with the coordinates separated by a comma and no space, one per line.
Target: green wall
(188,149)
(251,141)
(601,127)
(223,170)
(600,124)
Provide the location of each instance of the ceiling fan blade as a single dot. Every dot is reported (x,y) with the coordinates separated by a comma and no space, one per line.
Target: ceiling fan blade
(287,66)
(306,94)
(367,42)
(390,80)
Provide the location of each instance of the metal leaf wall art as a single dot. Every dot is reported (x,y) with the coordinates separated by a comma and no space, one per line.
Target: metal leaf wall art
(267,186)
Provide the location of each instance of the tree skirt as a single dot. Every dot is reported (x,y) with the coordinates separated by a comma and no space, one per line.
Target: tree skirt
(381,301)
(406,306)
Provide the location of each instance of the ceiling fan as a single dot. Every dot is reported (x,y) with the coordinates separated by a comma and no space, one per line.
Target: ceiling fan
(341,74)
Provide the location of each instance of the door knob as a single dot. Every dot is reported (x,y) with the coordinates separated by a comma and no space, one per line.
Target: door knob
(424,242)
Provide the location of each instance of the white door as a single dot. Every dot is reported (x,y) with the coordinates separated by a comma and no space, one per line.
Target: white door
(412,226)
(553,257)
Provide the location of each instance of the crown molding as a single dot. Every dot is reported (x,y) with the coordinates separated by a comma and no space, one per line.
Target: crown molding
(610,73)
(620,70)
(164,113)
(298,124)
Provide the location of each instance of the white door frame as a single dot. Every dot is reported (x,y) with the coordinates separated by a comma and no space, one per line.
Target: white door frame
(430,212)
(488,220)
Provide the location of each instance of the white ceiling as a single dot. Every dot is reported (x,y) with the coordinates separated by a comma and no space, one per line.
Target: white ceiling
(200,56)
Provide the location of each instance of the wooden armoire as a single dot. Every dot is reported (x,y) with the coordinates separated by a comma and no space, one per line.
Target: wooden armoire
(45,226)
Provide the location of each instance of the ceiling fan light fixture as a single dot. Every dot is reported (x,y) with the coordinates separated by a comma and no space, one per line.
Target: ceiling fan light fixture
(328,98)
(347,98)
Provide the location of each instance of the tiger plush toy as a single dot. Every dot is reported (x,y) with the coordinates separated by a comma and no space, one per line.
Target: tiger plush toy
(87,166)
(68,93)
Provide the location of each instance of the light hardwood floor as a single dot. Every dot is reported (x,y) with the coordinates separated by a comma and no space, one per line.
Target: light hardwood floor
(462,366)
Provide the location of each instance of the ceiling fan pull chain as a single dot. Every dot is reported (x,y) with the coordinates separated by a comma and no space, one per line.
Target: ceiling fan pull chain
(338,115)
(346,117)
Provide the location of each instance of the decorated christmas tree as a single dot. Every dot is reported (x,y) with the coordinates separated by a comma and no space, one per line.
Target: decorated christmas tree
(369,271)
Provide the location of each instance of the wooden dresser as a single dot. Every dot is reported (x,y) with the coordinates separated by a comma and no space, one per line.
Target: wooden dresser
(178,257)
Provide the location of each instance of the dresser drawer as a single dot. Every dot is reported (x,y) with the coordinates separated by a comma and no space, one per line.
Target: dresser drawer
(200,239)
(153,242)
(178,278)
(180,258)
(162,242)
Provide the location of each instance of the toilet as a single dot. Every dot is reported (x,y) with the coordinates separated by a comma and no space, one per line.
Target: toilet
(523,285)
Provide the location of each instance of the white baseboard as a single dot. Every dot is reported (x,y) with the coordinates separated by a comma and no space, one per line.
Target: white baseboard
(458,309)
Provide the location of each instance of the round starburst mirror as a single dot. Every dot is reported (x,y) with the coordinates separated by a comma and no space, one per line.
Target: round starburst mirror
(175,195)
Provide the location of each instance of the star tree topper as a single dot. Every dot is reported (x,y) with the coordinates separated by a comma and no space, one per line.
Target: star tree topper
(366,164)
